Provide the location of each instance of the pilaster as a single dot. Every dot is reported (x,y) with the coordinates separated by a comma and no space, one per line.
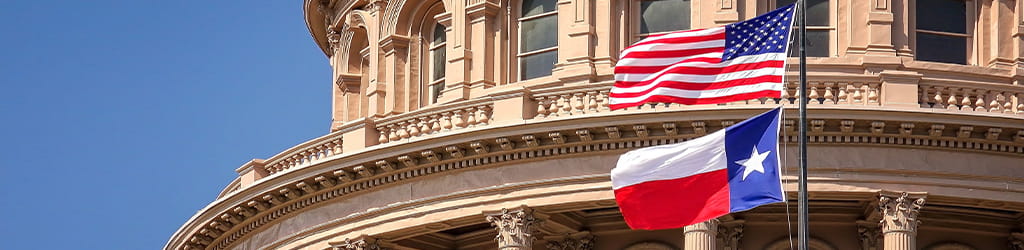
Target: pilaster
(458,55)
(900,88)
(899,219)
(576,53)
(700,236)
(481,15)
(901,27)
(880,21)
(396,52)
(516,227)
(1001,18)
(346,99)
(727,11)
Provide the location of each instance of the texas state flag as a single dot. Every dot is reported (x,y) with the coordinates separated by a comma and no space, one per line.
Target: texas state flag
(731,170)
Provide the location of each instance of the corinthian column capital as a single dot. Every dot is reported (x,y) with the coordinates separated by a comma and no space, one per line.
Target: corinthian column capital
(899,211)
(361,243)
(515,227)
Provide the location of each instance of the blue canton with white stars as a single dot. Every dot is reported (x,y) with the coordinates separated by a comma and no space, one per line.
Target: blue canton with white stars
(767,33)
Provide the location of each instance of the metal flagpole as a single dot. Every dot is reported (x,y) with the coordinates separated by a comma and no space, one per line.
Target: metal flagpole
(802,98)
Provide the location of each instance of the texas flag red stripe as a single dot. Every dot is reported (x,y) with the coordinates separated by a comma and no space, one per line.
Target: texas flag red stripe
(675,201)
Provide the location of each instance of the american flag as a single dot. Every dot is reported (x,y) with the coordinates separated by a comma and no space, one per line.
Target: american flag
(740,61)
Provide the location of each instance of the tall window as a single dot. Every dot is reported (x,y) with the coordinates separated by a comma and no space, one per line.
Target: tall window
(660,16)
(942,34)
(538,38)
(437,62)
(819,29)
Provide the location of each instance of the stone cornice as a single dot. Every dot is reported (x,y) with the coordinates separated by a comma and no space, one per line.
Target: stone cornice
(549,138)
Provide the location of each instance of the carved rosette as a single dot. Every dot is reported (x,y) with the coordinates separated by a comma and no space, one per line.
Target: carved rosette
(899,212)
(362,243)
(569,242)
(515,227)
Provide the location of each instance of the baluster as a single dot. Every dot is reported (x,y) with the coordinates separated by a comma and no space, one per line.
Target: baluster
(965,103)
(383,135)
(483,115)
(979,102)
(1008,104)
(446,121)
(602,100)
(842,98)
(996,105)
(413,128)
(784,96)
(403,130)
(435,124)
(829,97)
(592,101)
(553,108)
(460,120)
(336,150)
(470,116)
(939,101)
(1020,104)
(425,125)
(857,96)
(813,95)
(393,135)
(566,104)
(872,93)
(577,103)
(542,110)
(951,103)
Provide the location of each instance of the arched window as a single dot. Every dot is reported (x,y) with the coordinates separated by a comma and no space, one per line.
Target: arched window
(437,62)
(660,16)
(538,38)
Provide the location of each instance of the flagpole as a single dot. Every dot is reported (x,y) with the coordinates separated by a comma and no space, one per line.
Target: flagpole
(802,98)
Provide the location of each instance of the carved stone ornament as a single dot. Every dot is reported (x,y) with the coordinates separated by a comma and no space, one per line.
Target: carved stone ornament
(362,243)
(899,212)
(515,227)
(570,242)
(333,39)
(868,235)
(1017,241)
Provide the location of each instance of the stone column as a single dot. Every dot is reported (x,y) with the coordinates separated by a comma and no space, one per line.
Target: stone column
(515,228)
(899,219)
(700,236)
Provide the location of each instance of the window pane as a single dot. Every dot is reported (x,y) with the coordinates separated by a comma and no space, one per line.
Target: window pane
(942,15)
(664,15)
(817,14)
(537,65)
(534,7)
(817,43)
(438,63)
(439,35)
(939,48)
(539,33)
(436,92)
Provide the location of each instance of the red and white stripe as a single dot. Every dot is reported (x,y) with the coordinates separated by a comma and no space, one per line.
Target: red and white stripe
(686,67)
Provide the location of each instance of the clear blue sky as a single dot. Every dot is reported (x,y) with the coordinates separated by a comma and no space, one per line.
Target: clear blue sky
(123,118)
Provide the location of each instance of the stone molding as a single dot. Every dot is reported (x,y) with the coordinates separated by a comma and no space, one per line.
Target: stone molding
(347,180)
(360,243)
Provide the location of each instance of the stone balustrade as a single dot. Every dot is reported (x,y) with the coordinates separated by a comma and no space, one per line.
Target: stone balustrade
(973,97)
(308,153)
(434,120)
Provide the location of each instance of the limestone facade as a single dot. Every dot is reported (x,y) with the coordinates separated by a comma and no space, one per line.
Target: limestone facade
(462,140)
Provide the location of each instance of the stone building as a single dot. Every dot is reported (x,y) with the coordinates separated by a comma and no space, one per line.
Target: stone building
(483,124)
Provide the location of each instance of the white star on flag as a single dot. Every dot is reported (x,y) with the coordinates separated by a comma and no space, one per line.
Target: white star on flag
(754,163)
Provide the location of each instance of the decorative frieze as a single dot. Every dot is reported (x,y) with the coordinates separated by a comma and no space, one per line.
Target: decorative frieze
(361,243)
(515,228)
(577,241)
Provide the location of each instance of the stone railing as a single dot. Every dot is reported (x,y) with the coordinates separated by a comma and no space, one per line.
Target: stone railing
(308,153)
(434,120)
(973,98)
(589,99)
